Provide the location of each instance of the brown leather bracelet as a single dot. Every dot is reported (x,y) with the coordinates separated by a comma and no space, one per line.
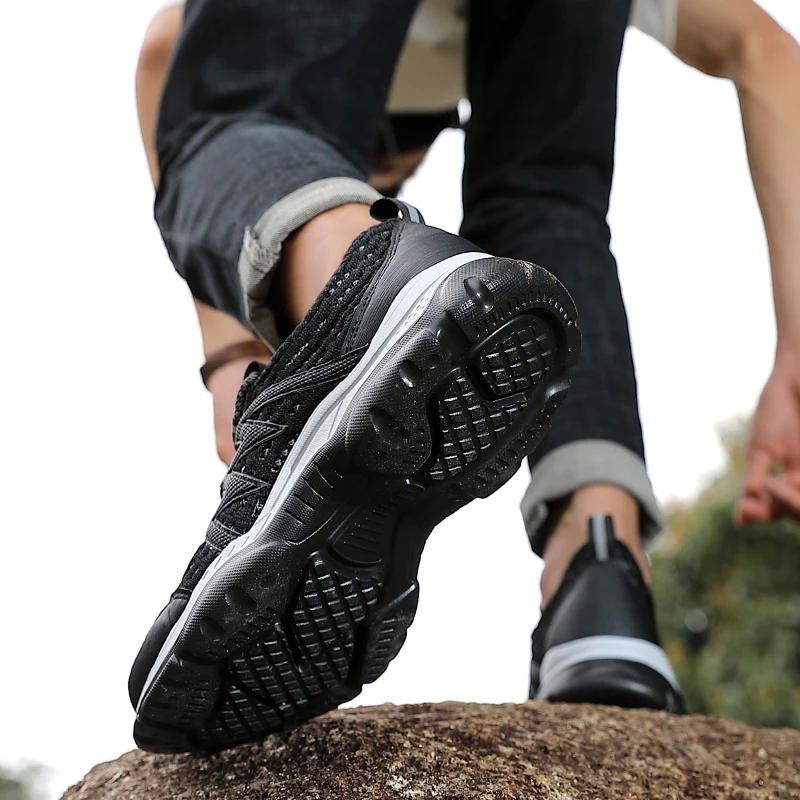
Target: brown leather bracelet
(251,348)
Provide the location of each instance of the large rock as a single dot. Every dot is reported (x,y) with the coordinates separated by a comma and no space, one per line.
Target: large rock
(483,752)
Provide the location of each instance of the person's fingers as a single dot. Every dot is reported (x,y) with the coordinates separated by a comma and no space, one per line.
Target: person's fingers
(786,495)
(752,509)
(754,504)
(757,470)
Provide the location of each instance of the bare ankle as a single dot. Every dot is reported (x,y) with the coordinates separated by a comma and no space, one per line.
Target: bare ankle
(570,531)
(313,253)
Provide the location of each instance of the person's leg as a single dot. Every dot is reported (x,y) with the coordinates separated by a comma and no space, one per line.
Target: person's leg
(207,254)
(309,256)
(228,342)
(377,416)
(151,74)
(248,142)
(315,251)
(404,142)
(539,161)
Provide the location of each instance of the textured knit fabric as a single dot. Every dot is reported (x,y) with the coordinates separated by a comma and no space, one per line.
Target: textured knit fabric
(276,400)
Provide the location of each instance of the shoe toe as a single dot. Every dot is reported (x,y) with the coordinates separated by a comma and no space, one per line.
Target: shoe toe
(152,645)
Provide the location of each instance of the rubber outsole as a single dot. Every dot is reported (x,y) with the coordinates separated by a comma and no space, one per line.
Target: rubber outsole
(320,604)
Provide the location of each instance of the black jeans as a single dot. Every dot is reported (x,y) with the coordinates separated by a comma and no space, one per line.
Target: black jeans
(266,97)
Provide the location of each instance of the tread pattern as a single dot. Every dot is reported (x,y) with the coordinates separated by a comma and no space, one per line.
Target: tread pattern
(364,542)
(485,398)
(468,426)
(520,361)
(283,678)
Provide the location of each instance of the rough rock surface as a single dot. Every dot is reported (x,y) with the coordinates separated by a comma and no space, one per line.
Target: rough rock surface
(480,752)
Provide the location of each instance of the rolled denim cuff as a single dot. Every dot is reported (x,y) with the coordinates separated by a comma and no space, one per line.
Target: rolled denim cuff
(582,463)
(262,245)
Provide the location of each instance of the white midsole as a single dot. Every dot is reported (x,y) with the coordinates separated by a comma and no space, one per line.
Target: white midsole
(595,648)
(409,305)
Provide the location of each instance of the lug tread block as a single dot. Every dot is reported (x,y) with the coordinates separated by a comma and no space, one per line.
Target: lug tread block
(499,469)
(518,287)
(387,634)
(521,359)
(211,629)
(239,718)
(391,637)
(219,646)
(410,374)
(480,293)
(388,428)
(388,431)
(450,337)
(239,600)
(293,671)
(161,738)
(468,426)
(268,671)
(181,700)
(366,541)
(284,679)
(488,352)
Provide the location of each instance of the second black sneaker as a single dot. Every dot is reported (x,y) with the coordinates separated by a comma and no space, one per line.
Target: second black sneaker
(597,641)
(424,374)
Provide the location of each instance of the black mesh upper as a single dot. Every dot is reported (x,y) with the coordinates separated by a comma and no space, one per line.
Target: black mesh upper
(275,401)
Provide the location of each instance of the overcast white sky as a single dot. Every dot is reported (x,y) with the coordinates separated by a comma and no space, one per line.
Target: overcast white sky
(109,473)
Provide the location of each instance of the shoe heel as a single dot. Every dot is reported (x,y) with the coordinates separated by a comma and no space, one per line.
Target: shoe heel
(612,682)
(470,388)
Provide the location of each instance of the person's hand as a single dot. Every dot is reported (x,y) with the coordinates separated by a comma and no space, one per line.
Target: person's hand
(774,441)
(224,386)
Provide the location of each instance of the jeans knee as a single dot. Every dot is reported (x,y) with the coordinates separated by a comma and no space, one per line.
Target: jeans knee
(515,221)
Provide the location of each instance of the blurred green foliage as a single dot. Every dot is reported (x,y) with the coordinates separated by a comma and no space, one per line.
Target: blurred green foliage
(729,605)
(25,783)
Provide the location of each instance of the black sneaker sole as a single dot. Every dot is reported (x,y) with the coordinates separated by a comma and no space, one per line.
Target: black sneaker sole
(296,616)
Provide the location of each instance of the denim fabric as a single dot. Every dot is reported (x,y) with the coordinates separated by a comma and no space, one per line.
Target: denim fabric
(264,98)
(323,66)
(581,463)
(542,80)
(206,202)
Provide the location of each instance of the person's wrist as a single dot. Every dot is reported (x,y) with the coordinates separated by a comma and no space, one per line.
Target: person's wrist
(230,372)
(248,350)
(787,356)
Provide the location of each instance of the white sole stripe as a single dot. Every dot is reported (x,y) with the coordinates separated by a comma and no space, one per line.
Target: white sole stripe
(562,657)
